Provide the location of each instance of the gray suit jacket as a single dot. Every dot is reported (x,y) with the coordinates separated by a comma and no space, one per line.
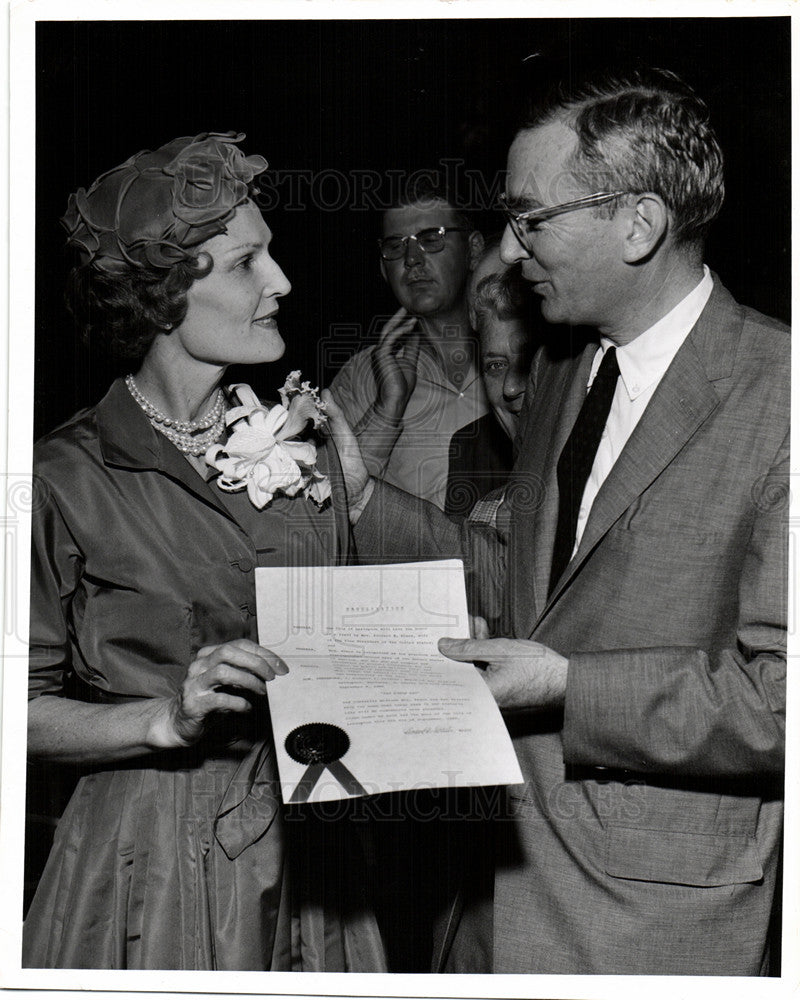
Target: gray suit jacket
(645,838)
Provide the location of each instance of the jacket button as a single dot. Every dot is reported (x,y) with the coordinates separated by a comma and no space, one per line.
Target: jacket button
(245,564)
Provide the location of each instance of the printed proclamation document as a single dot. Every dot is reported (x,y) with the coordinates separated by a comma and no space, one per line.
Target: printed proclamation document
(369,704)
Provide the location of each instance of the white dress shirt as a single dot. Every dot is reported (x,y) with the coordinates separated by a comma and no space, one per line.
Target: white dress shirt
(642,364)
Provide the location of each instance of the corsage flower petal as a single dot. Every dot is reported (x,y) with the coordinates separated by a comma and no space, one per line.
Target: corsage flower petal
(262,454)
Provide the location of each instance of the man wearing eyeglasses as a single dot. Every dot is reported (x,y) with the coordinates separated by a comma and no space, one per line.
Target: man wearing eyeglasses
(643,658)
(407,395)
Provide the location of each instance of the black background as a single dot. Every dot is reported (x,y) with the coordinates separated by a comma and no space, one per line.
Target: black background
(341,98)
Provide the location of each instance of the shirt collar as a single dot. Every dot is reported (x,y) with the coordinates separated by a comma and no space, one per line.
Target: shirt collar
(473,383)
(643,361)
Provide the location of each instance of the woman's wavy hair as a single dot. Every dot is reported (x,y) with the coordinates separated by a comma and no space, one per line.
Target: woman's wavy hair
(501,295)
(125,310)
(643,131)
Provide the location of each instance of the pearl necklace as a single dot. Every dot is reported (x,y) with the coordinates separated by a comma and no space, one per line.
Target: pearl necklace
(183,433)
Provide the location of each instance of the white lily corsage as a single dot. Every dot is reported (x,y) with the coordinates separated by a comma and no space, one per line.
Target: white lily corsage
(262,454)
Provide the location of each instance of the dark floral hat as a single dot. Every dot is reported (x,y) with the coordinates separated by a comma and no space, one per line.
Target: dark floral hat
(153,208)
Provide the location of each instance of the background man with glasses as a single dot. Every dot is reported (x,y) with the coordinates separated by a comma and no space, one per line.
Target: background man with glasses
(643,659)
(406,396)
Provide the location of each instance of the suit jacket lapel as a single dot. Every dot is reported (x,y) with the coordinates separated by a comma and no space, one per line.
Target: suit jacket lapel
(562,394)
(680,405)
(682,402)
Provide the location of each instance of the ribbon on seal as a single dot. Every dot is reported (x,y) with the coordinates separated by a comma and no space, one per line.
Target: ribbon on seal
(321,746)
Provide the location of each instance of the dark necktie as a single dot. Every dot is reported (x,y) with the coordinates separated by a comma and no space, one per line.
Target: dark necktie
(576,460)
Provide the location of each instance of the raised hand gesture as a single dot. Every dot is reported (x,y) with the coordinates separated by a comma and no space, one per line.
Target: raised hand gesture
(395,373)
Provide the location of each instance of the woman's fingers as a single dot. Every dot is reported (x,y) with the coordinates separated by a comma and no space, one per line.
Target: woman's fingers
(221,678)
(244,656)
(223,701)
(248,654)
(225,675)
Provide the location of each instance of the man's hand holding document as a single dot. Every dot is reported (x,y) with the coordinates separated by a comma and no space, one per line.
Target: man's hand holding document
(369,704)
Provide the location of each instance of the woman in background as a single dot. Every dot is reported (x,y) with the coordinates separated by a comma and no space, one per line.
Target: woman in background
(481,454)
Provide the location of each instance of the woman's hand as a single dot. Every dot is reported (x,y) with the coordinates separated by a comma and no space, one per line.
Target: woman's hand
(211,686)
(76,732)
(396,376)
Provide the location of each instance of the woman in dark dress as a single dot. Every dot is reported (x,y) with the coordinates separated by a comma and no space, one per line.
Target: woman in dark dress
(173,852)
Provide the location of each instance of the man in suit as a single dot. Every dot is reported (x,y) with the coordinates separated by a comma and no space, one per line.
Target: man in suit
(641,663)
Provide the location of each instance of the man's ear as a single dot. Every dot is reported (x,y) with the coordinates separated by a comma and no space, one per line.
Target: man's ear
(383,270)
(647,226)
(475,248)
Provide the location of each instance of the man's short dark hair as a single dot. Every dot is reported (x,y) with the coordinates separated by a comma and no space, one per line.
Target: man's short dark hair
(426,186)
(645,130)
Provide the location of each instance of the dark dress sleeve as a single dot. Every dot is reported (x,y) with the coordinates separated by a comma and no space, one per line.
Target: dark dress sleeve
(56,569)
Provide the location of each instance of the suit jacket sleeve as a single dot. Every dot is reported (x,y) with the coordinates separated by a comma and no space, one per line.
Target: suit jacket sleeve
(687,710)
(398,527)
